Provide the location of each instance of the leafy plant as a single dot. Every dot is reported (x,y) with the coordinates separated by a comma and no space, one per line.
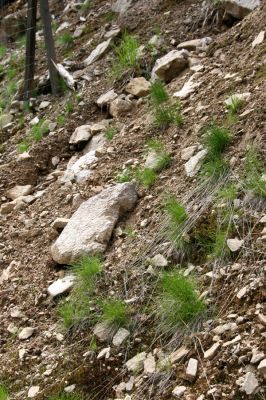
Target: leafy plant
(110,133)
(116,313)
(145,177)
(178,303)
(3,392)
(125,176)
(254,172)
(126,56)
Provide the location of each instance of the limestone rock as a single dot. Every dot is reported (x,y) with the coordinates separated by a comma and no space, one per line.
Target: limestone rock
(193,165)
(179,391)
(188,88)
(169,66)
(262,367)
(188,152)
(98,52)
(91,226)
(159,261)
(63,285)
(121,335)
(78,169)
(136,364)
(220,329)
(250,383)
(120,106)
(192,368)
(240,8)
(33,391)
(104,353)
(26,333)
(194,44)
(59,223)
(121,6)
(149,364)
(96,143)
(262,319)
(18,191)
(99,127)
(139,87)
(212,351)
(103,331)
(259,39)
(234,244)
(106,98)
(82,134)
(178,354)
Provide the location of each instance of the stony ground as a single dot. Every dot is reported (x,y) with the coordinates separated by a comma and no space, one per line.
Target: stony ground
(220,356)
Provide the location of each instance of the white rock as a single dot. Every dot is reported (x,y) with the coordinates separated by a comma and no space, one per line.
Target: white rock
(262,319)
(44,104)
(179,391)
(136,364)
(79,169)
(70,389)
(99,127)
(112,33)
(121,335)
(188,152)
(12,329)
(192,368)
(241,293)
(188,88)
(240,8)
(120,106)
(104,353)
(234,244)
(80,135)
(259,39)
(98,52)
(33,391)
(18,191)
(63,285)
(192,166)
(220,329)
(139,87)
(106,98)
(237,96)
(90,228)
(16,312)
(194,44)
(250,383)
(178,354)
(263,219)
(212,351)
(149,364)
(169,66)
(22,353)
(34,121)
(121,6)
(59,223)
(26,333)
(256,356)
(159,261)
(5,274)
(262,367)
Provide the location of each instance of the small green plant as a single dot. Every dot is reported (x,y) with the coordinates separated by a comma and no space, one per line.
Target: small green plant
(61,120)
(65,39)
(178,303)
(177,219)
(129,232)
(110,132)
(11,73)
(215,139)
(125,176)
(254,173)
(3,392)
(69,107)
(23,146)
(126,56)
(115,313)
(109,16)
(86,5)
(163,158)
(219,249)
(3,51)
(158,93)
(235,105)
(11,89)
(39,130)
(145,177)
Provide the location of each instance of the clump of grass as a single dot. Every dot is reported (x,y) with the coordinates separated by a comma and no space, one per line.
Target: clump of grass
(110,132)
(3,392)
(177,219)
(163,158)
(115,313)
(165,111)
(39,130)
(254,173)
(216,138)
(234,106)
(23,146)
(178,303)
(77,308)
(69,107)
(125,176)
(109,16)
(145,177)
(228,192)
(3,51)
(61,119)
(86,5)
(65,39)
(126,56)
(66,396)
(11,73)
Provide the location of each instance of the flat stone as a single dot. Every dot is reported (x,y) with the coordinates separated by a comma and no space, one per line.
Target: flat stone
(212,351)
(194,44)
(106,98)
(179,391)
(170,66)
(258,39)
(234,244)
(178,354)
(220,329)
(121,6)
(120,106)
(61,286)
(139,87)
(99,127)
(262,319)
(103,331)
(80,135)
(188,152)
(96,144)
(159,261)
(18,191)
(262,367)
(193,165)
(26,333)
(44,104)
(33,391)
(104,353)
(192,368)
(250,383)
(121,335)
(60,223)
(98,52)
(188,88)
(257,356)
(149,364)
(240,8)
(136,364)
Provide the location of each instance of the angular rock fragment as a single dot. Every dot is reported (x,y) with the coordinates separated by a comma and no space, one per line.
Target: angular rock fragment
(103,331)
(90,228)
(63,285)
(192,166)
(82,134)
(240,8)
(120,106)
(194,44)
(169,66)
(234,244)
(98,52)
(60,223)
(26,333)
(179,391)
(106,98)
(121,335)
(262,367)
(259,39)
(212,351)
(18,191)
(139,87)
(192,368)
(250,383)
(136,364)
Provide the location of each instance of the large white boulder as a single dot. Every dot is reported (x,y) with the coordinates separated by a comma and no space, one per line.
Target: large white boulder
(169,66)
(90,228)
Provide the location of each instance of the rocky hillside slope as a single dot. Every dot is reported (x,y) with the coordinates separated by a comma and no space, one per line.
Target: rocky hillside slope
(133,205)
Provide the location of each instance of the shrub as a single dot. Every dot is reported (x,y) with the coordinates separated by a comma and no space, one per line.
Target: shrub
(110,133)
(126,56)
(253,173)
(116,313)
(145,177)
(178,303)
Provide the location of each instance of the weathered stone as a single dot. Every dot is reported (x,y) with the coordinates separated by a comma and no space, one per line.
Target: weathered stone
(26,333)
(241,293)
(262,319)
(234,244)
(154,161)
(18,191)
(121,6)
(179,391)
(44,104)
(91,226)
(112,33)
(136,364)
(240,8)
(192,368)
(106,98)
(149,364)
(262,367)
(60,223)
(120,106)
(103,331)
(169,66)
(159,261)
(14,25)
(78,169)
(104,353)
(259,39)
(98,52)
(96,143)
(82,134)
(194,44)
(6,208)
(188,152)
(212,351)
(257,356)
(188,88)
(63,285)
(250,383)
(121,335)
(178,354)
(5,119)
(220,329)
(139,87)
(192,166)
(99,127)
(33,391)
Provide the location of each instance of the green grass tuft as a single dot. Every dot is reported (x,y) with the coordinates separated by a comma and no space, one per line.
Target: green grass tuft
(158,93)
(178,303)
(3,392)
(65,39)
(163,158)
(110,132)
(126,56)
(86,5)
(145,177)
(39,130)
(235,105)
(3,51)
(116,313)
(23,146)
(125,176)
(216,138)
(69,107)
(177,219)
(254,173)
